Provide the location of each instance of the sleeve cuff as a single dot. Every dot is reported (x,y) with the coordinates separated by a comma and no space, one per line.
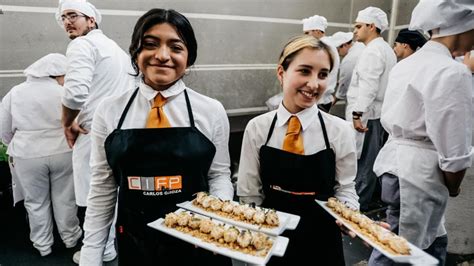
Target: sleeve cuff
(71,104)
(456,164)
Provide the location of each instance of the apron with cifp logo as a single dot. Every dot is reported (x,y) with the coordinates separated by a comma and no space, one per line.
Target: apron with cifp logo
(156,169)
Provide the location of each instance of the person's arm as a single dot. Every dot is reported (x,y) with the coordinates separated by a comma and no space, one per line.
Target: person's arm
(102,196)
(345,74)
(249,183)
(453,182)
(71,128)
(77,83)
(346,167)
(6,120)
(448,110)
(219,172)
(370,68)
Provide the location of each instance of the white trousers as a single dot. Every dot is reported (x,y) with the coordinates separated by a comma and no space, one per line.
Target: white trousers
(48,188)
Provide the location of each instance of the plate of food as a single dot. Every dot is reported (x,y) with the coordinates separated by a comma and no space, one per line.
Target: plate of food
(391,245)
(225,239)
(244,215)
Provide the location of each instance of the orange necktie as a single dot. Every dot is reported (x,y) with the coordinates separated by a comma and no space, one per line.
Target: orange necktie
(293,141)
(157,117)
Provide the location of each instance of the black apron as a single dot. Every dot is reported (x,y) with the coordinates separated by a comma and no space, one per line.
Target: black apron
(291,182)
(156,168)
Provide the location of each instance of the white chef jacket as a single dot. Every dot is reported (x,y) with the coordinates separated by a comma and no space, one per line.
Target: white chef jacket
(341,140)
(332,77)
(427,112)
(348,64)
(210,119)
(97,68)
(369,80)
(31,119)
(429,101)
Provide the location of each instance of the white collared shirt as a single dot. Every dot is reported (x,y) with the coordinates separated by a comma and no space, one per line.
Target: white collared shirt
(347,67)
(31,119)
(369,80)
(429,99)
(97,68)
(210,119)
(341,140)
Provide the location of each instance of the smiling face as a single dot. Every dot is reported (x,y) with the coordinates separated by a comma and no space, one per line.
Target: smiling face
(304,81)
(163,57)
(76,24)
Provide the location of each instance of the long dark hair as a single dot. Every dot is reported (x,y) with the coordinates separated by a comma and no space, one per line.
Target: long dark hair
(158,16)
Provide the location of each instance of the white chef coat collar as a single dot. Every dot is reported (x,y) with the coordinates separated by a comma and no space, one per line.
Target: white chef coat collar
(376,40)
(149,93)
(306,116)
(94,31)
(437,48)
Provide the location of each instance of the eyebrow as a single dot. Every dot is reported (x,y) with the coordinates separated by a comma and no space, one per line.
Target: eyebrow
(70,13)
(311,67)
(158,38)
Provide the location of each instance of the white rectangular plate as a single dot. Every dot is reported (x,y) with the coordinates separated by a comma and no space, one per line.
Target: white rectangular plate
(417,256)
(287,220)
(278,249)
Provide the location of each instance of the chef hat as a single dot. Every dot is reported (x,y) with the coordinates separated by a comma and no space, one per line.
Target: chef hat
(339,38)
(82,6)
(48,65)
(315,23)
(334,54)
(411,37)
(443,17)
(373,15)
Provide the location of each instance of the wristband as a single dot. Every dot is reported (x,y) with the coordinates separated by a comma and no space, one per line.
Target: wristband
(359,114)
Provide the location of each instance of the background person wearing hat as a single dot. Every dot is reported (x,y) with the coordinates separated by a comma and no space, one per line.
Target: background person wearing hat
(316,27)
(97,68)
(366,95)
(407,42)
(31,125)
(428,114)
(349,51)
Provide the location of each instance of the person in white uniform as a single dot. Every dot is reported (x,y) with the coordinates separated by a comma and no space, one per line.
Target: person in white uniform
(316,27)
(31,126)
(160,129)
(97,68)
(428,115)
(349,51)
(407,43)
(366,95)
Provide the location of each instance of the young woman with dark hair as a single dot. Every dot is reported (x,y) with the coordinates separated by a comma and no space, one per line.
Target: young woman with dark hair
(161,143)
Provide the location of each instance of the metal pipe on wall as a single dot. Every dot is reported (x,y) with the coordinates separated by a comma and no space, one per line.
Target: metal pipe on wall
(393,22)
